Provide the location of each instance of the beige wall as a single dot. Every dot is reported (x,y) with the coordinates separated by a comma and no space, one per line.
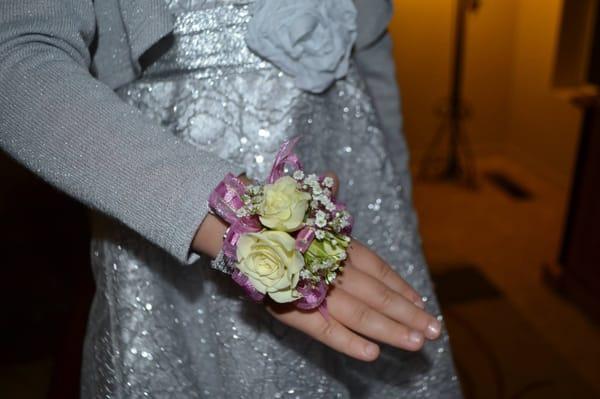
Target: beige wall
(422,51)
(510,57)
(488,62)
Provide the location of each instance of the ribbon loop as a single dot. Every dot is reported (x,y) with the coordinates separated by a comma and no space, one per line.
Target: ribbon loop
(313,295)
(285,156)
(304,239)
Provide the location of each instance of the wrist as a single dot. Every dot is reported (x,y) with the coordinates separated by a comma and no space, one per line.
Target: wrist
(209,237)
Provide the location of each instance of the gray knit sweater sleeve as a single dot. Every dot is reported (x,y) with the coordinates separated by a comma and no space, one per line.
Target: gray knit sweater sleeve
(75,133)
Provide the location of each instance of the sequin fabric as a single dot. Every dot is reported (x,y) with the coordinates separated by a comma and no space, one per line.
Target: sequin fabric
(162,330)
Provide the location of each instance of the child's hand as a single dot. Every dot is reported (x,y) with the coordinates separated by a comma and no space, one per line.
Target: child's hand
(367,298)
(370,299)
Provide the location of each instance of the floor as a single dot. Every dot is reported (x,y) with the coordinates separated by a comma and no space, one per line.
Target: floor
(506,241)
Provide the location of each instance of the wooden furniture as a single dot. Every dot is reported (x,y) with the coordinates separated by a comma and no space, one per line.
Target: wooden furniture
(578,65)
(579,262)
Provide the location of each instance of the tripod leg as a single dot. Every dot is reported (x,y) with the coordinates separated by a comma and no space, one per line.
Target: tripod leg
(428,162)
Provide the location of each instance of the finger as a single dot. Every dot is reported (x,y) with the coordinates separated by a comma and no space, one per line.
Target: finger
(359,317)
(330,332)
(387,301)
(336,182)
(367,261)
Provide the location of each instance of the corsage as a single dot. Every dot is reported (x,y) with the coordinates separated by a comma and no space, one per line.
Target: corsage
(287,237)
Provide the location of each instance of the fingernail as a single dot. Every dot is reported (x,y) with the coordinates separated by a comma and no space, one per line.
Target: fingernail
(433,329)
(371,350)
(415,337)
(419,303)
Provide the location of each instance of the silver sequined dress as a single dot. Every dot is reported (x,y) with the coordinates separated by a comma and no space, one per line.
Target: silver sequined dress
(162,330)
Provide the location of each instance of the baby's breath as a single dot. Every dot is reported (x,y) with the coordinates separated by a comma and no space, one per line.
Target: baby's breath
(311,179)
(298,175)
(321,219)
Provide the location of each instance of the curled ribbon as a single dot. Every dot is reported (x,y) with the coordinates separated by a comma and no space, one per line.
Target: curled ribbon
(226,198)
(247,286)
(225,201)
(233,234)
(313,296)
(304,239)
(285,156)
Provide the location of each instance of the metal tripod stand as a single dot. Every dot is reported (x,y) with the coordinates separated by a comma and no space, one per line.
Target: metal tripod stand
(449,156)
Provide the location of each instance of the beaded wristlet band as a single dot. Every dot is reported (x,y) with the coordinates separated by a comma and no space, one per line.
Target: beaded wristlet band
(222,263)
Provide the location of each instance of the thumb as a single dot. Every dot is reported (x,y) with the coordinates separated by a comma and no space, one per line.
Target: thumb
(336,182)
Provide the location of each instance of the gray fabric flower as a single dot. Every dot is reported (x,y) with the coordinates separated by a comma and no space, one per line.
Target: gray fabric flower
(310,40)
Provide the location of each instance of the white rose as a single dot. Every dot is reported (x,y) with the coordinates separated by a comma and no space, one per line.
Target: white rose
(284,206)
(272,263)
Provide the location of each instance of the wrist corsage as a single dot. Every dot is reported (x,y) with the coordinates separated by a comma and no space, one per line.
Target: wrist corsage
(287,237)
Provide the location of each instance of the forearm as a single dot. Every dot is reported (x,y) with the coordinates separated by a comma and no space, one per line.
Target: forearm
(75,133)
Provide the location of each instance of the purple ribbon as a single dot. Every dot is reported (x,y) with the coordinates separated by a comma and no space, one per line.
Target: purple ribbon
(233,234)
(285,156)
(312,295)
(304,238)
(247,286)
(225,201)
(226,198)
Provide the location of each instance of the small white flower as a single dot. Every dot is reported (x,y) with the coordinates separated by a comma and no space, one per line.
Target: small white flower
(328,181)
(321,223)
(330,206)
(324,199)
(330,277)
(344,222)
(321,219)
(298,175)
(319,234)
(311,179)
(314,204)
(304,273)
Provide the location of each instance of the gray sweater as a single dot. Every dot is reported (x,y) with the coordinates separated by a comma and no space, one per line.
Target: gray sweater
(60,61)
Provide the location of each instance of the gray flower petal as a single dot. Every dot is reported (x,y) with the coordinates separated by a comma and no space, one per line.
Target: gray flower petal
(310,40)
